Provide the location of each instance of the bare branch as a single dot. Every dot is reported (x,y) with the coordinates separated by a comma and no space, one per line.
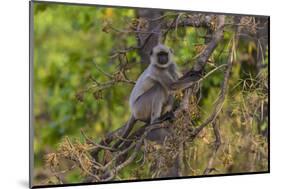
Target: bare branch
(216,38)
(194,21)
(217,144)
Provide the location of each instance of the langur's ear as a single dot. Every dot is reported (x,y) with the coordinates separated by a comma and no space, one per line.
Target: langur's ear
(151,52)
(171,50)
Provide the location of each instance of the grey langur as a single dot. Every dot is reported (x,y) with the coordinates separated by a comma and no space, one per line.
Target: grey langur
(151,96)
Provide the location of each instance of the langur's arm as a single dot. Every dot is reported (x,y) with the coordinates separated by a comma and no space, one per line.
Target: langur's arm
(187,80)
(165,80)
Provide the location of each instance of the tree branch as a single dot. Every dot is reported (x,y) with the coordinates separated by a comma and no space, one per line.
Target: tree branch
(219,102)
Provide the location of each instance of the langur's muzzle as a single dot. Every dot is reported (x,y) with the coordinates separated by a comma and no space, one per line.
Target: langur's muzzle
(162,57)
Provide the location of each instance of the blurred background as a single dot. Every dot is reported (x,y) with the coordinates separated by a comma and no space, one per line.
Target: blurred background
(71,41)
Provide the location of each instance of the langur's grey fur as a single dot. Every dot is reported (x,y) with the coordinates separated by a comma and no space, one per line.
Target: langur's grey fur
(151,96)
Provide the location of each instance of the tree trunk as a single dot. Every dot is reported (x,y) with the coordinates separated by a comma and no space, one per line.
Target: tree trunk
(148,40)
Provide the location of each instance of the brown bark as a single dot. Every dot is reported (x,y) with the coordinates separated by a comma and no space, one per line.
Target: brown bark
(148,40)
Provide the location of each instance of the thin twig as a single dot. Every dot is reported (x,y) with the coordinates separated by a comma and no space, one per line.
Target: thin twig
(96,145)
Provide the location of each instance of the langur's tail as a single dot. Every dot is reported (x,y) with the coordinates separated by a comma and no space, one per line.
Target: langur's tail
(126,131)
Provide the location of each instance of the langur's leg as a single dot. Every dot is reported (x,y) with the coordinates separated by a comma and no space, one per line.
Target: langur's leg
(168,105)
(167,113)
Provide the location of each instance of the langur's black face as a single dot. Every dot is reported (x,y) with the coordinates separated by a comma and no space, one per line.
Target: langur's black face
(162,57)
